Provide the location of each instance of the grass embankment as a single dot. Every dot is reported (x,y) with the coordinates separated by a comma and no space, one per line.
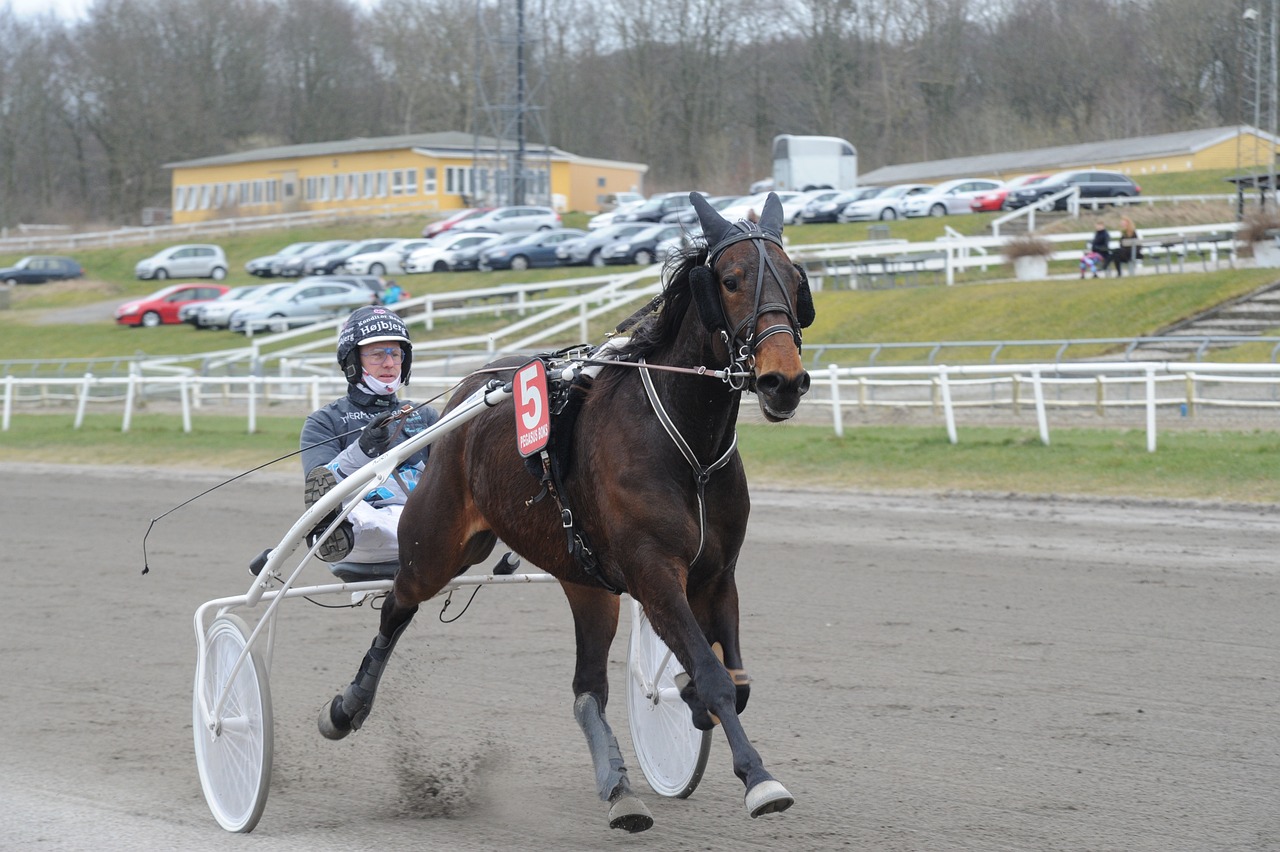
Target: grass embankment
(1217,466)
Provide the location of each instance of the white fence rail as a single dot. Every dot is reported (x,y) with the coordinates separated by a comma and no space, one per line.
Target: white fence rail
(1150,386)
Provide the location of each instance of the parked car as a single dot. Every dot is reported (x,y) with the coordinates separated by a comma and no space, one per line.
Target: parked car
(883,205)
(688,216)
(588,249)
(295,265)
(1092,184)
(755,203)
(608,217)
(505,220)
(656,207)
(828,209)
(533,250)
(640,247)
(217,314)
(302,303)
(39,269)
(439,226)
(189,312)
(949,198)
(384,260)
(335,261)
(163,305)
(262,266)
(184,261)
(688,235)
(468,257)
(438,256)
(993,200)
(793,210)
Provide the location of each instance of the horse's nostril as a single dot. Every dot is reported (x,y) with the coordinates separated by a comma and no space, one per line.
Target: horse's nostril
(803,384)
(769,383)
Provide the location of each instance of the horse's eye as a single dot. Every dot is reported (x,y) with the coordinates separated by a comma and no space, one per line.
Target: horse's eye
(730,283)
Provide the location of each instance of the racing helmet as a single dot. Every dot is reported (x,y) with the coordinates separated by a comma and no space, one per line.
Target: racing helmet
(372,324)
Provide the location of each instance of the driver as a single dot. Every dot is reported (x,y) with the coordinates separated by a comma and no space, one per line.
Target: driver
(375,354)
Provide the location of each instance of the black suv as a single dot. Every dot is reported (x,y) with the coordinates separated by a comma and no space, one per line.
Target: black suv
(1092,183)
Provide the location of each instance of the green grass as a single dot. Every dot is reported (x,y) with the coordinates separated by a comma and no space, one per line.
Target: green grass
(1204,465)
(1208,465)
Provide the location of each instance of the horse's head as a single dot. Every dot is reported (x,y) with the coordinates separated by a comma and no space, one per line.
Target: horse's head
(757,300)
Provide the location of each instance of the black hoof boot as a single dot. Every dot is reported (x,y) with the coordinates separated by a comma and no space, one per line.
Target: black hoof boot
(259,562)
(334,724)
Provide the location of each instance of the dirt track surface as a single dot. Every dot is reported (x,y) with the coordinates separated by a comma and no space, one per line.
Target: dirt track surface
(930,673)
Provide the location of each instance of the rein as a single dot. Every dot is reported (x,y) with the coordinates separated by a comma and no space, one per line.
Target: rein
(701,472)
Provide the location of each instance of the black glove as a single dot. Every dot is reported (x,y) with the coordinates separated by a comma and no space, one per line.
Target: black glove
(375,438)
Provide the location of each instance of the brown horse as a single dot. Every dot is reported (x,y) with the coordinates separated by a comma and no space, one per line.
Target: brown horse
(656,488)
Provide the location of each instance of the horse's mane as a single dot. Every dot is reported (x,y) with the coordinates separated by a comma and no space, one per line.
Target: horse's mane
(660,326)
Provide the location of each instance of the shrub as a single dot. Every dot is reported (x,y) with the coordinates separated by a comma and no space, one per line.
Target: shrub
(1259,226)
(1027,245)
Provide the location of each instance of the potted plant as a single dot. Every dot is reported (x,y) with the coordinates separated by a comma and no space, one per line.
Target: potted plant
(1259,231)
(1029,255)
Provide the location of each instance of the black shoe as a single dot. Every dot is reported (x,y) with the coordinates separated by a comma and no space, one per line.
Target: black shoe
(320,481)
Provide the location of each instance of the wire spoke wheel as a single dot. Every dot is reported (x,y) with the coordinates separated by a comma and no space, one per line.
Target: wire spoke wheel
(235,761)
(671,752)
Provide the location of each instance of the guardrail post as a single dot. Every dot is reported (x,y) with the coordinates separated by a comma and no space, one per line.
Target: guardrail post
(1151,409)
(184,392)
(1042,420)
(83,400)
(583,329)
(129,391)
(253,403)
(837,416)
(948,410)
(8,401)
(1100,396)
(1191,394)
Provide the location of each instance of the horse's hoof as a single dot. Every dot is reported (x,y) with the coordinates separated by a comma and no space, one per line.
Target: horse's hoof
(768,797)
(329,729)
(629,813)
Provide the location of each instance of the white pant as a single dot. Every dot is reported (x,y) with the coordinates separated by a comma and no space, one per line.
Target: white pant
(375,533)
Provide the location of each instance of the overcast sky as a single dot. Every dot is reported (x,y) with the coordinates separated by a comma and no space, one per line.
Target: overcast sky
(74,9)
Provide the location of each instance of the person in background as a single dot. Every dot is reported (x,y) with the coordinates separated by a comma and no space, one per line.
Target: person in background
(1128,251)
(1100,246)
(392,293)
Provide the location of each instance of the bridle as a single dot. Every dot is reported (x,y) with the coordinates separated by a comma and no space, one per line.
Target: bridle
(743,340)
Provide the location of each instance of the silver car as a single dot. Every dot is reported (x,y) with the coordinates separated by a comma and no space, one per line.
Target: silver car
(217,314)
(948,198)
(506,220)
(302,303)
(185,261)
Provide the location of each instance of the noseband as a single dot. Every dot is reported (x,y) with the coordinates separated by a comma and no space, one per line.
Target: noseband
(742,349)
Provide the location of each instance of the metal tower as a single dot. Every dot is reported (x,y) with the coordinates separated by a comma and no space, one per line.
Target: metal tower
(512,157)
(1260,78)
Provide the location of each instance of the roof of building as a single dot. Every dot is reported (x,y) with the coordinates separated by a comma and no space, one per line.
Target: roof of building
(1082,155)
(448,143)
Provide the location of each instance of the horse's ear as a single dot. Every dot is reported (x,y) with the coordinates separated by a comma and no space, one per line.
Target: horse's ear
(805,313)
(771,216)
(702,283)
(714,226)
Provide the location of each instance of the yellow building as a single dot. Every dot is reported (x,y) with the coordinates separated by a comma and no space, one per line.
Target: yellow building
(1245,148)
(412,174)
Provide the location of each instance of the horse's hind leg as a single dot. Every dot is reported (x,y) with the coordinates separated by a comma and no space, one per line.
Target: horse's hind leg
(348,710)
(595,619)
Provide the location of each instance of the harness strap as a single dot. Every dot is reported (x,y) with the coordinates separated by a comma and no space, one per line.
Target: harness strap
(701,473)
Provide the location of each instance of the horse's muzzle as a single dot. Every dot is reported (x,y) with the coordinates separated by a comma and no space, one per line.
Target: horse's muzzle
(780,394)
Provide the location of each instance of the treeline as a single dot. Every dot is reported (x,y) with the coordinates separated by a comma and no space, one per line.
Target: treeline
(91,110)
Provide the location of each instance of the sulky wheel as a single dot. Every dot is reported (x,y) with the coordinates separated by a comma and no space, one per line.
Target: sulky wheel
(234,762)
(671,752)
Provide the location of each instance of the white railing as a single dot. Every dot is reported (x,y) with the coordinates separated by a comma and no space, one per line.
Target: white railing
(944,389)
(188,231)
(1083,386)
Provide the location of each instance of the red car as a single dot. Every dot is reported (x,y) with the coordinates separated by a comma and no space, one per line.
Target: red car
(162,306)
(992,201)
(442,225)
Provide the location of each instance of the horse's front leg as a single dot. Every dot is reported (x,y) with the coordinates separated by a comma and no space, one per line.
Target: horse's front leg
(715,606)
(595,622)
(675,624)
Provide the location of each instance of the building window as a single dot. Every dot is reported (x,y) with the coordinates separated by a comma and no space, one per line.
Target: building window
(457,180)
(339,187)
(382,184)
(410,181)
(601,182)
(273,189)
(366,185)
(397,182)
(429,180)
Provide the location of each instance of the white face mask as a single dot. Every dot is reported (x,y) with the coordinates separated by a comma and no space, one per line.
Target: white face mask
(380,388)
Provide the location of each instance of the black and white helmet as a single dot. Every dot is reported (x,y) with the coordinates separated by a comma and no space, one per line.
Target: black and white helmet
(372,324)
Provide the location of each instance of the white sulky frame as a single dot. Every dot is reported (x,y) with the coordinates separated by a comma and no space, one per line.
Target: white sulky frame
(231,702)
